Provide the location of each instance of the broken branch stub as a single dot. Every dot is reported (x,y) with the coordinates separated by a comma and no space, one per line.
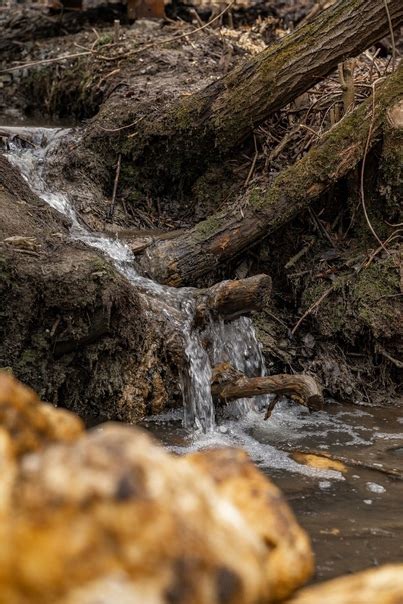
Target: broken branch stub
(233,298)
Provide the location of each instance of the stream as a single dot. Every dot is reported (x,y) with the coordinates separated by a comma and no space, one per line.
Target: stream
(354,518)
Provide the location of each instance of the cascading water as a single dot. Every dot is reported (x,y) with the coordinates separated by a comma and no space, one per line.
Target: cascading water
(235,342)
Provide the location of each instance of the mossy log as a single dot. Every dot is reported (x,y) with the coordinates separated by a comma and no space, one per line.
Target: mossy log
(229,384)
(175,147)
(227,233)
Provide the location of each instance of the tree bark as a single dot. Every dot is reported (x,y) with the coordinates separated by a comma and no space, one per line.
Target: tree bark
(231,299)
(229,384)
(175,148)
(229,232)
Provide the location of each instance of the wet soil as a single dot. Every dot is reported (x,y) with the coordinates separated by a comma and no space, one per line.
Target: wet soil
(64,311)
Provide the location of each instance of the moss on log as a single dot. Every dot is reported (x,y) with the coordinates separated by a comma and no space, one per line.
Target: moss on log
(392,163)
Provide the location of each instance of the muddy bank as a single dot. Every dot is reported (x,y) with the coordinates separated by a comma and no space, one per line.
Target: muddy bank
(71,326)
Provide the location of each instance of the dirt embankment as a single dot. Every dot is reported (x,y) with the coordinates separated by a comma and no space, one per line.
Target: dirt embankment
(69,324)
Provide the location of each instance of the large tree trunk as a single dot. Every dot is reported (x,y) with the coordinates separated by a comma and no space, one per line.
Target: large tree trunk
(229,232)
(174,148)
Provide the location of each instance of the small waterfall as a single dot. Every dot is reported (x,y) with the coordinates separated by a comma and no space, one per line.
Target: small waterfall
(235,342)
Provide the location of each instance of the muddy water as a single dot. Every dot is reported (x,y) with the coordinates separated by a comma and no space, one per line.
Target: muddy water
(355,519)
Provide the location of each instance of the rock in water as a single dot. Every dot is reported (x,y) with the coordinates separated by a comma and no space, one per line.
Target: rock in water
(109,516)
(382,585)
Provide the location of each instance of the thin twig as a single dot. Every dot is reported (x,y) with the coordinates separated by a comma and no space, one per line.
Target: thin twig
(252,168)
(312,308)
(395,235)
(139,119)
(392,35)
(47,61)
(115,187)
(362,190)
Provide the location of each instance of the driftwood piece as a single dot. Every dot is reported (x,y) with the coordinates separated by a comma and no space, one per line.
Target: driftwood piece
(227,233)
(305,457)
(233,298)
(229,384)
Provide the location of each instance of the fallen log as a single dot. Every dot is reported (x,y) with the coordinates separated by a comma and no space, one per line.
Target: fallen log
(227,233)
(392,162)
(231,299)
(229,384)
(176,146)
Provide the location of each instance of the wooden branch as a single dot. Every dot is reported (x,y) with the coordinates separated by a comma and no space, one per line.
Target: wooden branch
(226,234)
(231,299)
(229,384)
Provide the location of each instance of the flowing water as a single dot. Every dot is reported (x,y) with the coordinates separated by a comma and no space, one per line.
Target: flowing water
(355,518)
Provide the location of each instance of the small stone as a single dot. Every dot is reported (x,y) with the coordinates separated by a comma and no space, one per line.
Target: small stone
(375,488)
